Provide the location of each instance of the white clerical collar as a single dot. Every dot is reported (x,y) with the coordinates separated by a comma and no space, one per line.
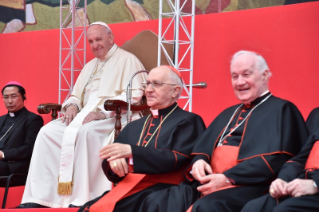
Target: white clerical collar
(264,93)
(154,113)
(11,114)
(163,111)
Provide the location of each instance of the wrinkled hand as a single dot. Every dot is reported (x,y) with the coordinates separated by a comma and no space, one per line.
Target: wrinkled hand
(115,151)
(278,188)
(199,170)
(299,187)
(70,114)
(93,116)
(212,182)
(119,167)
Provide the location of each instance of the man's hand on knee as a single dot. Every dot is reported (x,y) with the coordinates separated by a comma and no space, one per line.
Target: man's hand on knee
(199,170)
(278,188)
(212,182)
(301,187)
(93,116)
(70,114)
(119,167)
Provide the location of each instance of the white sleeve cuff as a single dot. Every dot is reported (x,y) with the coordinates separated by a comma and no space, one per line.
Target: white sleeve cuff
(71,100)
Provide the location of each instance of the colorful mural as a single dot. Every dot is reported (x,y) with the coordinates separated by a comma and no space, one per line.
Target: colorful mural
(30,15)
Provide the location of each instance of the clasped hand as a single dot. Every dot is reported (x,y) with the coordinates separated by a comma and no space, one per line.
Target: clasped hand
(116,155)
(296,188)
(210,182)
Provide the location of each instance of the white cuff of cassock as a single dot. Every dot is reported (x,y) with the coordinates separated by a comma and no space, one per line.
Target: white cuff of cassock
(105,113)
(68,105)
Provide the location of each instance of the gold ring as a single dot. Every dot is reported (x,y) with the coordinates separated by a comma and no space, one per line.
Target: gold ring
(114,164)
(272,191)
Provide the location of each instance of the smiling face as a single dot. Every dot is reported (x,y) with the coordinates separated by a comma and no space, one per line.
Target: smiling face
(248,82)
(12,99)
(164,95)
(100,40)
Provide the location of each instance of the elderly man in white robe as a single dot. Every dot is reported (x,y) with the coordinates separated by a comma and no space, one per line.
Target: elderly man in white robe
(65,168)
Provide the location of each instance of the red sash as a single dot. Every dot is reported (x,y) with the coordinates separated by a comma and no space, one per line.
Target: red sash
(132,184)
(313,159)
(224,158)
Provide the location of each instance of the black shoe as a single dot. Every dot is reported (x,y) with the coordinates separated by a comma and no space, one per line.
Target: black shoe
(31,205)
(74,206)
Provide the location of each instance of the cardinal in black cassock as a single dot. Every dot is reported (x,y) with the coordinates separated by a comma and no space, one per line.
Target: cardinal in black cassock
(296,186)
(243,149)
(160,146)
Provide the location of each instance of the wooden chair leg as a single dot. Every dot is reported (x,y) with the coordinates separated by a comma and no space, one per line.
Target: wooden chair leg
(118,124)
(54,114)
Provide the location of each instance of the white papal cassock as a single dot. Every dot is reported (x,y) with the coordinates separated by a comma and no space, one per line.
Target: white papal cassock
(71,153)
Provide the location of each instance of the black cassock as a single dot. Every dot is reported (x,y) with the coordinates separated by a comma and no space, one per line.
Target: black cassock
(17,137)
(294,168)
(169,150)
(273,133)
(313,120)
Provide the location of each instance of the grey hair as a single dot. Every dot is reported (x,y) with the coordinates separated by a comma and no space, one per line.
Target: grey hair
(260,64)
(177,80)
(108,31)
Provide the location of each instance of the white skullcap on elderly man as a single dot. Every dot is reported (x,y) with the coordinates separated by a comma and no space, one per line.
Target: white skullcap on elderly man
(101,24)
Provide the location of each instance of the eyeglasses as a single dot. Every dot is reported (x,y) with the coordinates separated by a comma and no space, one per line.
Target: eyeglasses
(154,84)
(13,97)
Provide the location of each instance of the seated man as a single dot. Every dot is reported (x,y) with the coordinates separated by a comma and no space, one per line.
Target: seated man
(151,153)
(299,177)
(18,131)
(65,167)
(245,146)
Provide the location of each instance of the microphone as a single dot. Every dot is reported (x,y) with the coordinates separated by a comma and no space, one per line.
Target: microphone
(200,85)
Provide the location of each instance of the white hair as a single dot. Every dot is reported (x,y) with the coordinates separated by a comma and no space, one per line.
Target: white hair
(177,80)
(260,64)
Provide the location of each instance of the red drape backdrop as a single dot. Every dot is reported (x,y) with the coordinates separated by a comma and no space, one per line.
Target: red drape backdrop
(287,36)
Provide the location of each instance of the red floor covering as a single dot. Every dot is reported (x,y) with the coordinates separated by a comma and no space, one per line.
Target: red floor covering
(14,199)
(40,210)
